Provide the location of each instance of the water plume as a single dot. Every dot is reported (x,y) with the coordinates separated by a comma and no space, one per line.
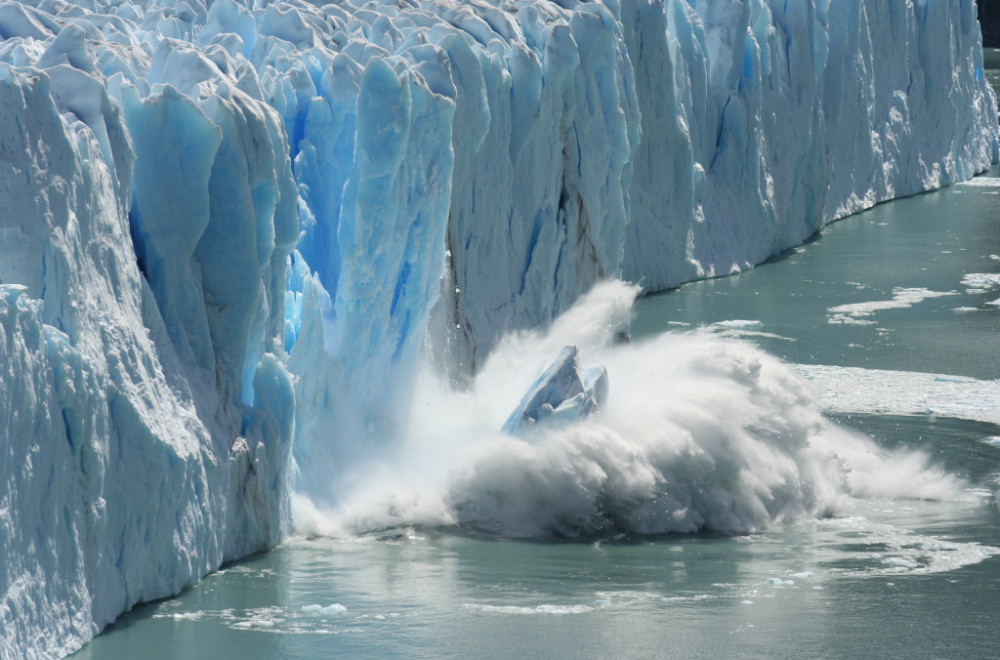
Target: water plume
(697,433)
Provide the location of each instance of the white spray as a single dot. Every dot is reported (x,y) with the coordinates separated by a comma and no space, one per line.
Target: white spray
(698,433)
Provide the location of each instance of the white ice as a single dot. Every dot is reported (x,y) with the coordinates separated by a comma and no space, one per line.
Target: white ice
(881,392)
(861,313)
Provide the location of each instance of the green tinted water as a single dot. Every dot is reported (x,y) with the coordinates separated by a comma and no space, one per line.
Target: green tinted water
(891,579)
(931,261)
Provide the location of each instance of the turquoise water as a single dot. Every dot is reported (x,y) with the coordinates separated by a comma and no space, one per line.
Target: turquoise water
(834,588)
(930,242)
(905,287)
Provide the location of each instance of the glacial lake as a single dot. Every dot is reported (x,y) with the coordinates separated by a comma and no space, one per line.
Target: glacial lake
(893,313)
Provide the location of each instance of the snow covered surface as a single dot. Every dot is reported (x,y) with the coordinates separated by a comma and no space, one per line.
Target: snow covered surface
(229,228)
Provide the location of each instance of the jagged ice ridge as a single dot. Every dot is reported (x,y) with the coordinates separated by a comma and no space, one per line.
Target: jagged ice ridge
(229,230)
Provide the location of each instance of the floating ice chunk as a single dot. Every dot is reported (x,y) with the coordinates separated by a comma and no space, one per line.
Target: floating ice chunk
(328,610)
(738,323)
(857,313)
(879,392)
(981,282)
(563,392)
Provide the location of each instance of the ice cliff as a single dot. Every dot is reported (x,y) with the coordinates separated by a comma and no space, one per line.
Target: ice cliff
(147,417)
(230,230)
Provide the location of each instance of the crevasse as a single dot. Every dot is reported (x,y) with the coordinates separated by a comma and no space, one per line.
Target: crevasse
(230,230)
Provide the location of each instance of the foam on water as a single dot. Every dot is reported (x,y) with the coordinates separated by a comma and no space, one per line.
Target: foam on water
(698,433)
(312,619)
(981,182)
(895,550)
(545,608)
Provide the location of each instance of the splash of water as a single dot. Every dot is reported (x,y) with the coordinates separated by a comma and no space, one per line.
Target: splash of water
(698,433)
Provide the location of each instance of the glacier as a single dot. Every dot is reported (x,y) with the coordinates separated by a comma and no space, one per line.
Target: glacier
(233,231)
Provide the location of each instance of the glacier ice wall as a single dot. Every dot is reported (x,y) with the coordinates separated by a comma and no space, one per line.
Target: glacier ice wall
(228,223)
(146,419)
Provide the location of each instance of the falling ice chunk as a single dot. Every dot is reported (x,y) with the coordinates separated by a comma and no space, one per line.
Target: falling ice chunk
(563,392)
